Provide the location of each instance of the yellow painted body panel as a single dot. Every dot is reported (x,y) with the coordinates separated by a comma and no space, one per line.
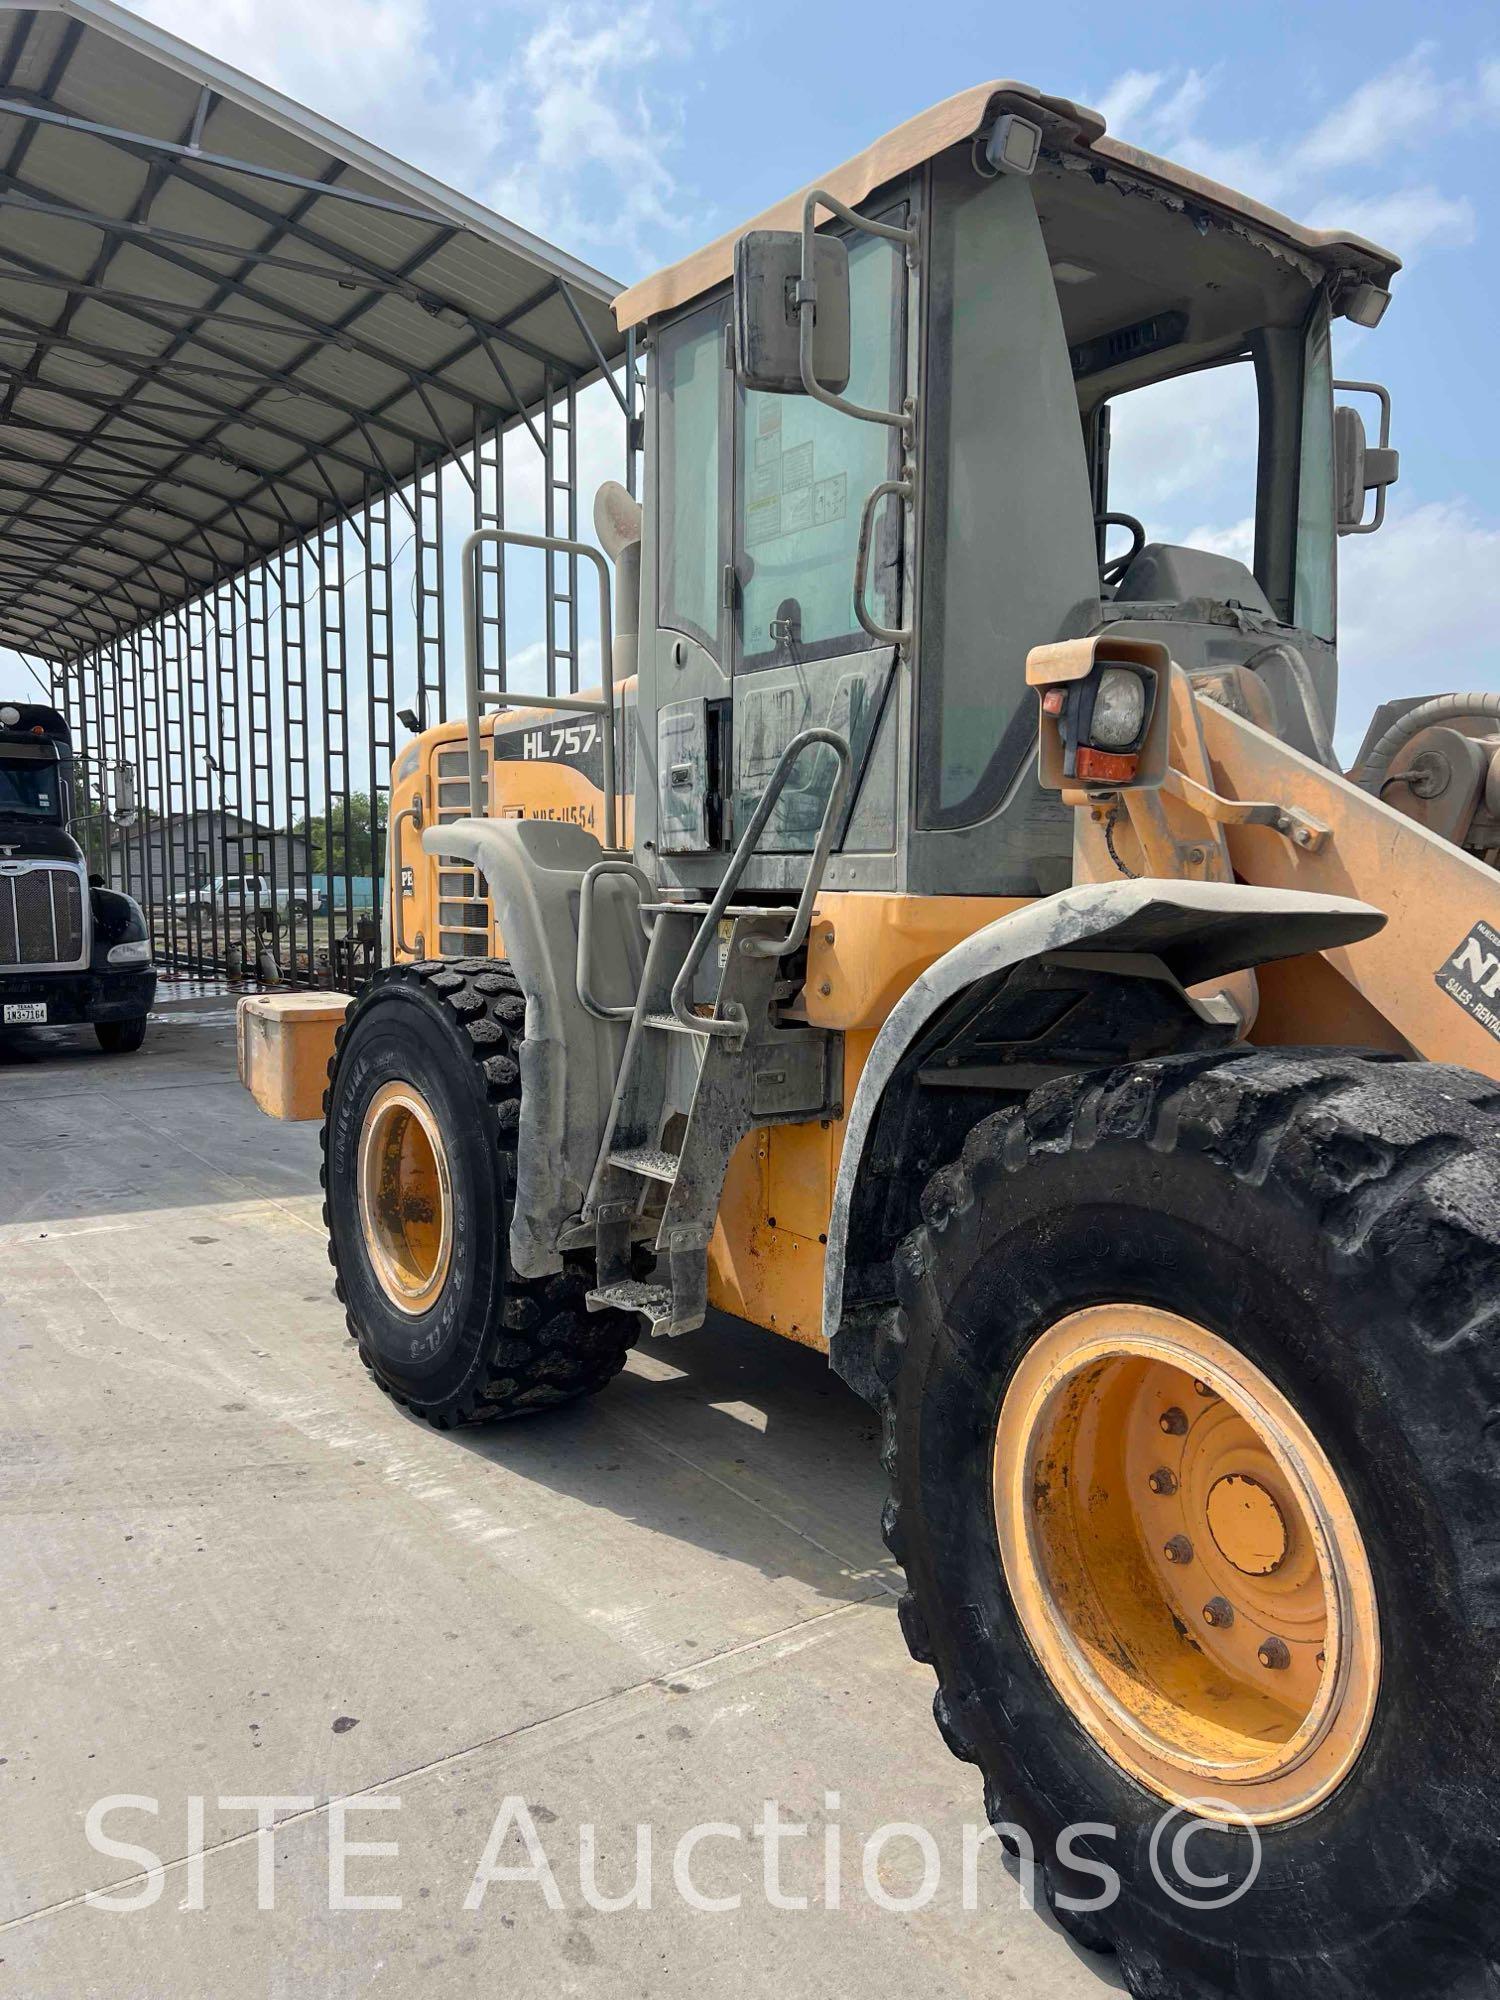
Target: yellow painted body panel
(522,788)
(285,1044)
(766,1260)
(1432,892)
(865,949)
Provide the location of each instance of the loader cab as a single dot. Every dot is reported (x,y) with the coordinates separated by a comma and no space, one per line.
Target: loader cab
(1120,403)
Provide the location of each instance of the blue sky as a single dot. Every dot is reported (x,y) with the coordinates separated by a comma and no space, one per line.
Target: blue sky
(631,133)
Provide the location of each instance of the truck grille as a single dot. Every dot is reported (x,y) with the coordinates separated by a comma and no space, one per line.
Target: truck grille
(41,917)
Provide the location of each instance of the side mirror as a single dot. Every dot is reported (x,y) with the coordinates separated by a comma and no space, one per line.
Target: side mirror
(1359,467)
(767,324)
(126,807)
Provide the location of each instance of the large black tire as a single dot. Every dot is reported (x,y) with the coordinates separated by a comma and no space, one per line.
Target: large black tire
(1337,1220)
(121,1038)
(493,1344)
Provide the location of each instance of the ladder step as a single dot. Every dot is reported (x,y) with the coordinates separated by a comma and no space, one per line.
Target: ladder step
(701,910)
(635,1295)
(653,1163)
(670,1025)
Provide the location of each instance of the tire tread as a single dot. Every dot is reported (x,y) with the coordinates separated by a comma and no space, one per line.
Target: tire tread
(1398,1161)
(545,1348)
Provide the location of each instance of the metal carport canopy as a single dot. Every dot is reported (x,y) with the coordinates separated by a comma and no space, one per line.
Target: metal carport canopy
(224,320)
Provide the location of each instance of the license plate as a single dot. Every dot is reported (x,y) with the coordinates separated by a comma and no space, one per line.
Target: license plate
(25,1013)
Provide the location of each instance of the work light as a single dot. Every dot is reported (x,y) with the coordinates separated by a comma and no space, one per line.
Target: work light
(1119,709)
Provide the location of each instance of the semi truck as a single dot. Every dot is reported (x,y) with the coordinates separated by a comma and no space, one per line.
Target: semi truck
(72,951)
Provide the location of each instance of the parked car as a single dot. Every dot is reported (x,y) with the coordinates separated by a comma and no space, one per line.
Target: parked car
(242,893)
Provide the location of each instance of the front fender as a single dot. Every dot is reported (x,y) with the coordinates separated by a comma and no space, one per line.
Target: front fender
(569,1058)
(1195,930)
(116,919)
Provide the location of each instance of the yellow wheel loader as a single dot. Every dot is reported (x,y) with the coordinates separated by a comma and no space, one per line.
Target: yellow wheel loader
(946,938)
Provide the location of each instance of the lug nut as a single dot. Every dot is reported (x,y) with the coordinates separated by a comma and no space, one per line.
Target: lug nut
(1174,1422)
(1274,1655)
(1218,1612)
(1178,1550)
(1163,1480)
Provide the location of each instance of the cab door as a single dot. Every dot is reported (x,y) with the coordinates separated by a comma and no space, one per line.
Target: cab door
(692,586)
(802,472)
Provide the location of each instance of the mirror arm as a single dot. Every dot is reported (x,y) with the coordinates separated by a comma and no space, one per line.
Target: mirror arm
(1383,397)
(807,294)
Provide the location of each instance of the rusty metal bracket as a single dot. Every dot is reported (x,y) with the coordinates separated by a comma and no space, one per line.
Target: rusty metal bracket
(1294,825)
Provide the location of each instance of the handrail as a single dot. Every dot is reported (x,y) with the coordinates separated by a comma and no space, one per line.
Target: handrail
(477,698)
(608,866)
(758,947)
(413,812)
(888,635)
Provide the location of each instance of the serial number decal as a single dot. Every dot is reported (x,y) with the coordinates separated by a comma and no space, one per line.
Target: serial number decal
(553,742)
(568,815)
(1472,976)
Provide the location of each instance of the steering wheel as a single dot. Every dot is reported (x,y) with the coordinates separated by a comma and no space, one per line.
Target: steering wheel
(1115,568)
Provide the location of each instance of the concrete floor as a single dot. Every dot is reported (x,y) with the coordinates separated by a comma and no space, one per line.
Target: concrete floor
(231,1569)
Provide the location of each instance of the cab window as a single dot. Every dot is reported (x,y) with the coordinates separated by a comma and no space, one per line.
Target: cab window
(1184,462)
(691,364)
(802,473)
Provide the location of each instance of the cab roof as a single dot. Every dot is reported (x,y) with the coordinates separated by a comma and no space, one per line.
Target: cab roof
(1066,126)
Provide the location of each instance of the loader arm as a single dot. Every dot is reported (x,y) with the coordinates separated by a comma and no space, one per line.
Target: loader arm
(1433,972)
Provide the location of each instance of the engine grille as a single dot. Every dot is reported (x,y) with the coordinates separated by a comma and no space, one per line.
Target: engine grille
(41,917)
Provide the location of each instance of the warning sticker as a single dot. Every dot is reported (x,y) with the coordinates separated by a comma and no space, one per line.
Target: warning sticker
(1472,976)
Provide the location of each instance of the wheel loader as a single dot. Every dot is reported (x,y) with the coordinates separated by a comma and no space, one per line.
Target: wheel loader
(947,938)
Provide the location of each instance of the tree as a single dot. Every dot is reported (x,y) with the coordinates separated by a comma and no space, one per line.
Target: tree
(352,827)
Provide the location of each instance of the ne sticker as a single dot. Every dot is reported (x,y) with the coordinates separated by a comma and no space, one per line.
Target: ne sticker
(1472,976)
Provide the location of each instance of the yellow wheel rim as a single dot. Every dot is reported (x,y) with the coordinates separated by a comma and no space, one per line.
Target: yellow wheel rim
(1185,1564)
(405,1197)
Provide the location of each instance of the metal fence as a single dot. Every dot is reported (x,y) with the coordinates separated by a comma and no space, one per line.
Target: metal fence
(255,724)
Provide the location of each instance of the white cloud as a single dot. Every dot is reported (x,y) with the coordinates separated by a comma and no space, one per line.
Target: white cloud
(1184,450)
(1399,107)
(1237,540)
(593,162)
(371,65)
(562,128)
(1406,220)
(1419,605)
(1373,131)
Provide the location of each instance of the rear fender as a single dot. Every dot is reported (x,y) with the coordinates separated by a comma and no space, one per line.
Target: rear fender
(1134,946)
(569,1058)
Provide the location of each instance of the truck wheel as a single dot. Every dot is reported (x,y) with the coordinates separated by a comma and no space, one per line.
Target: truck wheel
(1193,1417)
(419,1176)
(121,1038)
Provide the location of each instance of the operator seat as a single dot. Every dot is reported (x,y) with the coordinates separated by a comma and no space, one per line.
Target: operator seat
(1168,573)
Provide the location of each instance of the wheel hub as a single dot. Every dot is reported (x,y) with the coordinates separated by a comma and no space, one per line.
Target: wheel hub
(1248,1527)
(1185,1563)
(405,1197)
